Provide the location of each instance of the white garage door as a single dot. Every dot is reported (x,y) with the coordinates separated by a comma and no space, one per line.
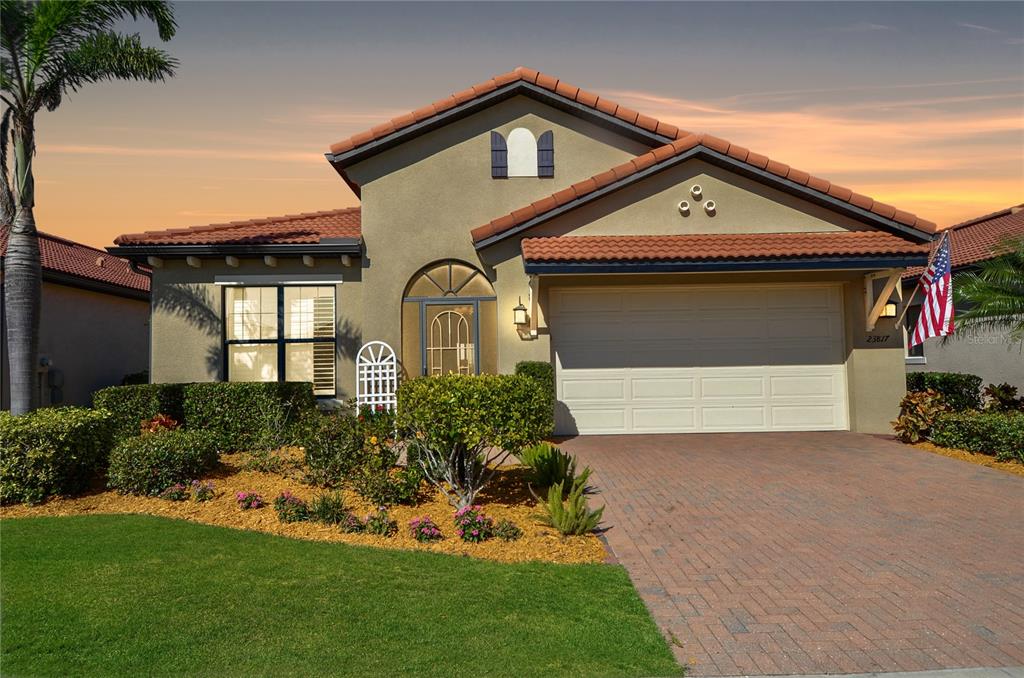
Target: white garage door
(653,359)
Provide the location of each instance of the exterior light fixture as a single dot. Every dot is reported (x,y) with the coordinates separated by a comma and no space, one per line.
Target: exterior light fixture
(889,311)
(519,314)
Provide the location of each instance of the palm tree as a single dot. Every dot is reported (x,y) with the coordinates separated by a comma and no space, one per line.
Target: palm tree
(993,295)
(49,49)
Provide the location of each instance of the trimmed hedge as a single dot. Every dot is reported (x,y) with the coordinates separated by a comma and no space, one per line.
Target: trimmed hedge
(150,463)
(504,411)
(249,415)
(52,451)
(997,433)
(959,391)
(134,404)
(544,374)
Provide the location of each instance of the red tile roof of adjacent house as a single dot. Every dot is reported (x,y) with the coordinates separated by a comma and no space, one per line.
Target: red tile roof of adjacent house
(520,73)
(71,258)
(308,228)
(677,147)
(715,246)
(979,239)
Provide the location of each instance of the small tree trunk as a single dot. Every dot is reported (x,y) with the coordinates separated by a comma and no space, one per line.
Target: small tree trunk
(23,280)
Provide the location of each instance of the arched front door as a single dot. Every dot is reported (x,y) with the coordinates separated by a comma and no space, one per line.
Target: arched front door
(449,321)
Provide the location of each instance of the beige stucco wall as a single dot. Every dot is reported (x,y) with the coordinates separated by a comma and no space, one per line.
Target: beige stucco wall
(91,339)
(188,316)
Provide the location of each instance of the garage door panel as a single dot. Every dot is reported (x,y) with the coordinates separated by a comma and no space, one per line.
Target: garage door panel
(664,419)
(738,358)
(669,386)
(734,418)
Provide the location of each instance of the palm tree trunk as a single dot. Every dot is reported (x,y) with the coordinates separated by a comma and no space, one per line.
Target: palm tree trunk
(23,280)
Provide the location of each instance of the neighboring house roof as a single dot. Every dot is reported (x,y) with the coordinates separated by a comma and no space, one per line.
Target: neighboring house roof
(978,239)
(648,162)
(291,229)
(716,246)
(69,258)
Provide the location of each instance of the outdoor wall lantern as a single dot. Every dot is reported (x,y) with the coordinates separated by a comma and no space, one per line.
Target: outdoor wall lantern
(889,311)
(519,314)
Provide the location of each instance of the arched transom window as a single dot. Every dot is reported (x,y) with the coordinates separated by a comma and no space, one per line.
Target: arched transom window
(449,321)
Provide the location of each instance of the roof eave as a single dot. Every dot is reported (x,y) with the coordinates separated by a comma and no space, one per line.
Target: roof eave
(350,246)
(731,164)
(832,263)
(520,87)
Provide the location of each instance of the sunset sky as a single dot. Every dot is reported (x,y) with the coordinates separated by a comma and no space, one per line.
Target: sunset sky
(919,105)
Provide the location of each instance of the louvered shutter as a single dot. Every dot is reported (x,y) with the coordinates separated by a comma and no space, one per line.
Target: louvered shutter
(546,155)
(499,157)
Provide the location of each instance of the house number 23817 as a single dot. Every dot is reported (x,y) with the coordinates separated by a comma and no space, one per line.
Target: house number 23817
(878,338)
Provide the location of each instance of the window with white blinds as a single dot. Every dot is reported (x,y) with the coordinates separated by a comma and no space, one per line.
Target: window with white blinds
(281,334)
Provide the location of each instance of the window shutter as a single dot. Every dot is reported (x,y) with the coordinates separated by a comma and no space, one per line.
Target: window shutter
(499,157)
(546,155)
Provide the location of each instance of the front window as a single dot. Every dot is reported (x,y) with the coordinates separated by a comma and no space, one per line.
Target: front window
(281,334)
(911,322)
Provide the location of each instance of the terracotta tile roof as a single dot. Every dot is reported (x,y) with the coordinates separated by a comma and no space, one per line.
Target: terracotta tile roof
(520,73)
(71,258)
(311,227)
(978,239)
(677,147)
(715,246)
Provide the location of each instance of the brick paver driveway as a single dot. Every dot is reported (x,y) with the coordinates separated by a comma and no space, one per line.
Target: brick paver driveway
(815,552)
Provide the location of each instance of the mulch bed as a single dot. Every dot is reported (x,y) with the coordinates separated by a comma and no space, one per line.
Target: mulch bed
(507,497)
(1013,467)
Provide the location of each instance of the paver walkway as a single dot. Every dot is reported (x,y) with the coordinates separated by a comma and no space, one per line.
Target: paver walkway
(797,553)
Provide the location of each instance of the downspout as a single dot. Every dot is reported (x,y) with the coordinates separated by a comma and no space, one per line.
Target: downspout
(134,266)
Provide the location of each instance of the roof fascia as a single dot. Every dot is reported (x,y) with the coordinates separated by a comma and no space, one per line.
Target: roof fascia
(853,263)
(520,87)
(352,246)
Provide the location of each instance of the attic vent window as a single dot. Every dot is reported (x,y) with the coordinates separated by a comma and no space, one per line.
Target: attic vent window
(522,155)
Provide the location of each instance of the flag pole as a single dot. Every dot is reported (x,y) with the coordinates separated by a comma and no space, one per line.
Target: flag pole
(906,305)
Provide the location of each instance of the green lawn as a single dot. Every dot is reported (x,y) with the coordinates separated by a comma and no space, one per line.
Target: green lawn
(134,595)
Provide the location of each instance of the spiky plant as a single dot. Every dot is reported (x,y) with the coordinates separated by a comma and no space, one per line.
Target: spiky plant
(49,49)
(992,296)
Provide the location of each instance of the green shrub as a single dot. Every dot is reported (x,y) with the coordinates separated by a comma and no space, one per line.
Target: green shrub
(997,433)
(917,415)
(959,391)
(544,374)
(378,481)
(333,445)
(506,530)
(52,451)
(132,405)
(461,427)
(549,465)
(249,415)
(150,463)
(291,509)
(380,523)
(572,517)
(328,508)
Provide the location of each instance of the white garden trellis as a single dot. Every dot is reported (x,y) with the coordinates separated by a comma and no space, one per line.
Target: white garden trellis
(377,376)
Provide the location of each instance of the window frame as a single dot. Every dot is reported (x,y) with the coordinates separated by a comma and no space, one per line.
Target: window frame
(281,341)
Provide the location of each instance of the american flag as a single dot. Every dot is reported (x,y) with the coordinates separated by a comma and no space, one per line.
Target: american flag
(936,319)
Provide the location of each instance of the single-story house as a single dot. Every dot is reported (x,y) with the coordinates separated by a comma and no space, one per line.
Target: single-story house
(94,322)
(990,354)
(677,282)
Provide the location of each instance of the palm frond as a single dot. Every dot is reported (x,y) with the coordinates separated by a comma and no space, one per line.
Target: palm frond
(6,196)
(991,298)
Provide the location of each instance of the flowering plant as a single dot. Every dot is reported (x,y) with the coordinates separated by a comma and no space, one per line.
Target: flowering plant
(350,523)
(380,523)
(424,529)
(175,492)
(202,491)
(158,423)
(249,500)
(290,509)
(506,530)
(473,525)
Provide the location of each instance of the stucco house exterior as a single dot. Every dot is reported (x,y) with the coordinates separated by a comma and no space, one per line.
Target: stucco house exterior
(990,354)
(678,282)
(94,323)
